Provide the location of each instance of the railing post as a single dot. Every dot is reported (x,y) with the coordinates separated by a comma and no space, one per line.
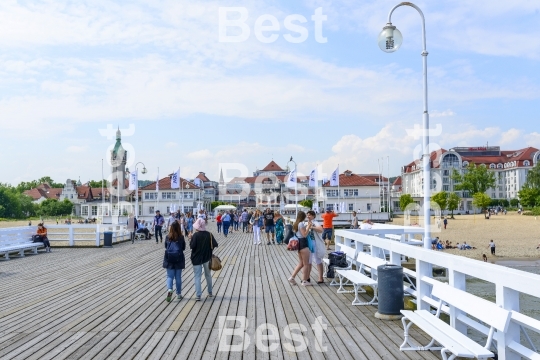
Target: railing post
(71,237)
(509,300)
(458,281)
(423,289)
(97,235)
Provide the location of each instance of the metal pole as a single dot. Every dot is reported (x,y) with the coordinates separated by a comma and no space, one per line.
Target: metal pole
(425,133)
(296,188)
(102,192)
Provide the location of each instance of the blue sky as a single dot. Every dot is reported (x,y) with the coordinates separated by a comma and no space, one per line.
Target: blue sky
(70,68)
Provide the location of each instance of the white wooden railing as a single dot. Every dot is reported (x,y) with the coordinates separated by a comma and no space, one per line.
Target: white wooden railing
(71,235)
(509,283)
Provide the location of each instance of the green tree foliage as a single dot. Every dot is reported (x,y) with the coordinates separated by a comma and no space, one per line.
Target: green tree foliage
(307,203)
(529,196)
(481,200)
(405,200)
(476,179)
(453,203)
(14,204)
(514,202)
(441,199)
(27,185)
(53,207)
(97,183)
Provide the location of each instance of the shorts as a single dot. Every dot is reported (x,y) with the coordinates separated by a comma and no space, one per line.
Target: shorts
(302,243)
(434,242)
(269,229)
(327,234)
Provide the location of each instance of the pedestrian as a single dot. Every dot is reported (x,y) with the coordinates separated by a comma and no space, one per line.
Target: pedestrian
(170,220)
(258,224)
(174,260)
(132,227)
(354,221)
(269,226)
(158,225)
(280,227)
(304,254)
(445,222)
(250,224)
(491,246)
(219,223)
(244,219)
(328,226)
(202,244)
(318,255)
(189,223)
(236,220)
(226,219)
(41,236)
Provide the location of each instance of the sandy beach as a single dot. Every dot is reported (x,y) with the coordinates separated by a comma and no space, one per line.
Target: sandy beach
(516,236)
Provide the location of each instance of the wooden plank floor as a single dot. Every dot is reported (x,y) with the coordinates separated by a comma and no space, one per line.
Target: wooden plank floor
(110,304)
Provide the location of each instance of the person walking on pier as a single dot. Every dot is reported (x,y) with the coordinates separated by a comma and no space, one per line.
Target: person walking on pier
(219,223)
(202,244)
(158,225)
(174,260)
(269,226)
(328,226)
(304,254)
(257,224)
(226,219)
(280,227)
(244,219)
(132,227)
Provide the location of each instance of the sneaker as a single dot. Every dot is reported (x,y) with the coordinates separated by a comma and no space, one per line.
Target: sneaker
(179,297)
(306,283)
(198,298)
(292,281)
(169,295)
(209,295)
(268,243)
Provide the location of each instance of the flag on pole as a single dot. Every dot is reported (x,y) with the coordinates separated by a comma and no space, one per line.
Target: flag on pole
(342,207)
(133,179)
(313,178)
(291,180)
(334,179)
(175,180)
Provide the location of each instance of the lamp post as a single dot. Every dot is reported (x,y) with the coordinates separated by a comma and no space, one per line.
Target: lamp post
(295,185)
(390,40)
(137,187)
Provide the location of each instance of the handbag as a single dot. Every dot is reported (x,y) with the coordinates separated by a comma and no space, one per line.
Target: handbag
(215,262)
(293,244)
(311,242)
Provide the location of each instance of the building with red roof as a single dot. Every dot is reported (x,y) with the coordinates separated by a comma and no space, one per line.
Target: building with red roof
(509,166)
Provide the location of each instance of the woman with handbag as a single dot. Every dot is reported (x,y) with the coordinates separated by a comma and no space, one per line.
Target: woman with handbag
(319,252)
(304,254)
(174,260)
(202,244)
(41,236)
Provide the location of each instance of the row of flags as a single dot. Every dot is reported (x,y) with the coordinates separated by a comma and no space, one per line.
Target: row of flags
(313,178)
(134,180)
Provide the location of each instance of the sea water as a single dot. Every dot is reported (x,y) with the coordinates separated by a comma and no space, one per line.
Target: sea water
(529,305)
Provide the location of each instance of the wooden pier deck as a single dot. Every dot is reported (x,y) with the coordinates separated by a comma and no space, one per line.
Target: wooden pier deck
(98,303)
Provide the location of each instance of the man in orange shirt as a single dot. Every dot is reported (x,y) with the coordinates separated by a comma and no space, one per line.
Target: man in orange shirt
(328,226)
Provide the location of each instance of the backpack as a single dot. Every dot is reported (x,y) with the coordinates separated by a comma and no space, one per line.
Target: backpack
(173,252)
(338,259)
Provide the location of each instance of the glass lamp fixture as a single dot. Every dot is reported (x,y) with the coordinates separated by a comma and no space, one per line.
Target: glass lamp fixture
(390,39)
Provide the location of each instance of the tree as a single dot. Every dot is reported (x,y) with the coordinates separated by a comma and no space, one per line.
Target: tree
(453,203)
(529,196)
(481,200)
(404,201)
(97,183)
(514,202)
(53,207)
(441,198)
(307,203)
(476,179)
(533,177)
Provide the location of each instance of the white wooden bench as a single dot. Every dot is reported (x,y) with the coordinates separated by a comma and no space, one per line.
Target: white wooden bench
(452,342)
(17,241)
(365,264)
(350,253)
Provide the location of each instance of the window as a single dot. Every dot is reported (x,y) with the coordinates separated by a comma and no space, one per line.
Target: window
(84,210)
(492,166)
(446,172)
(351,207)
(526,163)
(350,192)
(499,166)
(150,209)
(188,195)
(168,195)
(450,161)
(446,187)
(168,210)
(71,196)
(368,207)
(94,210)
(445,180)
(150,196)
(332,193)
(500,195)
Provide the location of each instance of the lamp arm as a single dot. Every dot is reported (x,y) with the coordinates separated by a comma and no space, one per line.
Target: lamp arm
(406,3)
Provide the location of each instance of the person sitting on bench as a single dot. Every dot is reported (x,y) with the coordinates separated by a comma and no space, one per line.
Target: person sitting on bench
(41,236)
(142,229)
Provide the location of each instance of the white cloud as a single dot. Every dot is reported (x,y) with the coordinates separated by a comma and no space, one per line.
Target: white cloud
(171,145)
(76,149)
(510,136)
(442,113)
(200,155)
(533,139)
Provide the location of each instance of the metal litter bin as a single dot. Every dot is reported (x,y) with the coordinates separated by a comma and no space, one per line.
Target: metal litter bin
(107,239)
(391,296)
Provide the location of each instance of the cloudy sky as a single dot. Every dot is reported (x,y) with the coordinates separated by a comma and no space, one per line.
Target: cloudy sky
(71,69)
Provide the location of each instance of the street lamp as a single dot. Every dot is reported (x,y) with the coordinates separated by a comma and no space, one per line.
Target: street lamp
(137,186)
(390,40)
(295,184)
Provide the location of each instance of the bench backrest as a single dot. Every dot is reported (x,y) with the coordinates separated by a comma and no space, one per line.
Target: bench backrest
(369,261)
(349,252)
(481,309)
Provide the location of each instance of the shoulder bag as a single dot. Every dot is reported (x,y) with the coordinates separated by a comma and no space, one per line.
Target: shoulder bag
(215,262)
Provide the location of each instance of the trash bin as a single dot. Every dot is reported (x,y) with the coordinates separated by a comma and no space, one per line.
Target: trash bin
(390,284)
(107,239)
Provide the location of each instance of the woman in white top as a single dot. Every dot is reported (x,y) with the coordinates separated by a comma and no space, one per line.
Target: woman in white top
(320,247)
(256,228)
(354,221)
